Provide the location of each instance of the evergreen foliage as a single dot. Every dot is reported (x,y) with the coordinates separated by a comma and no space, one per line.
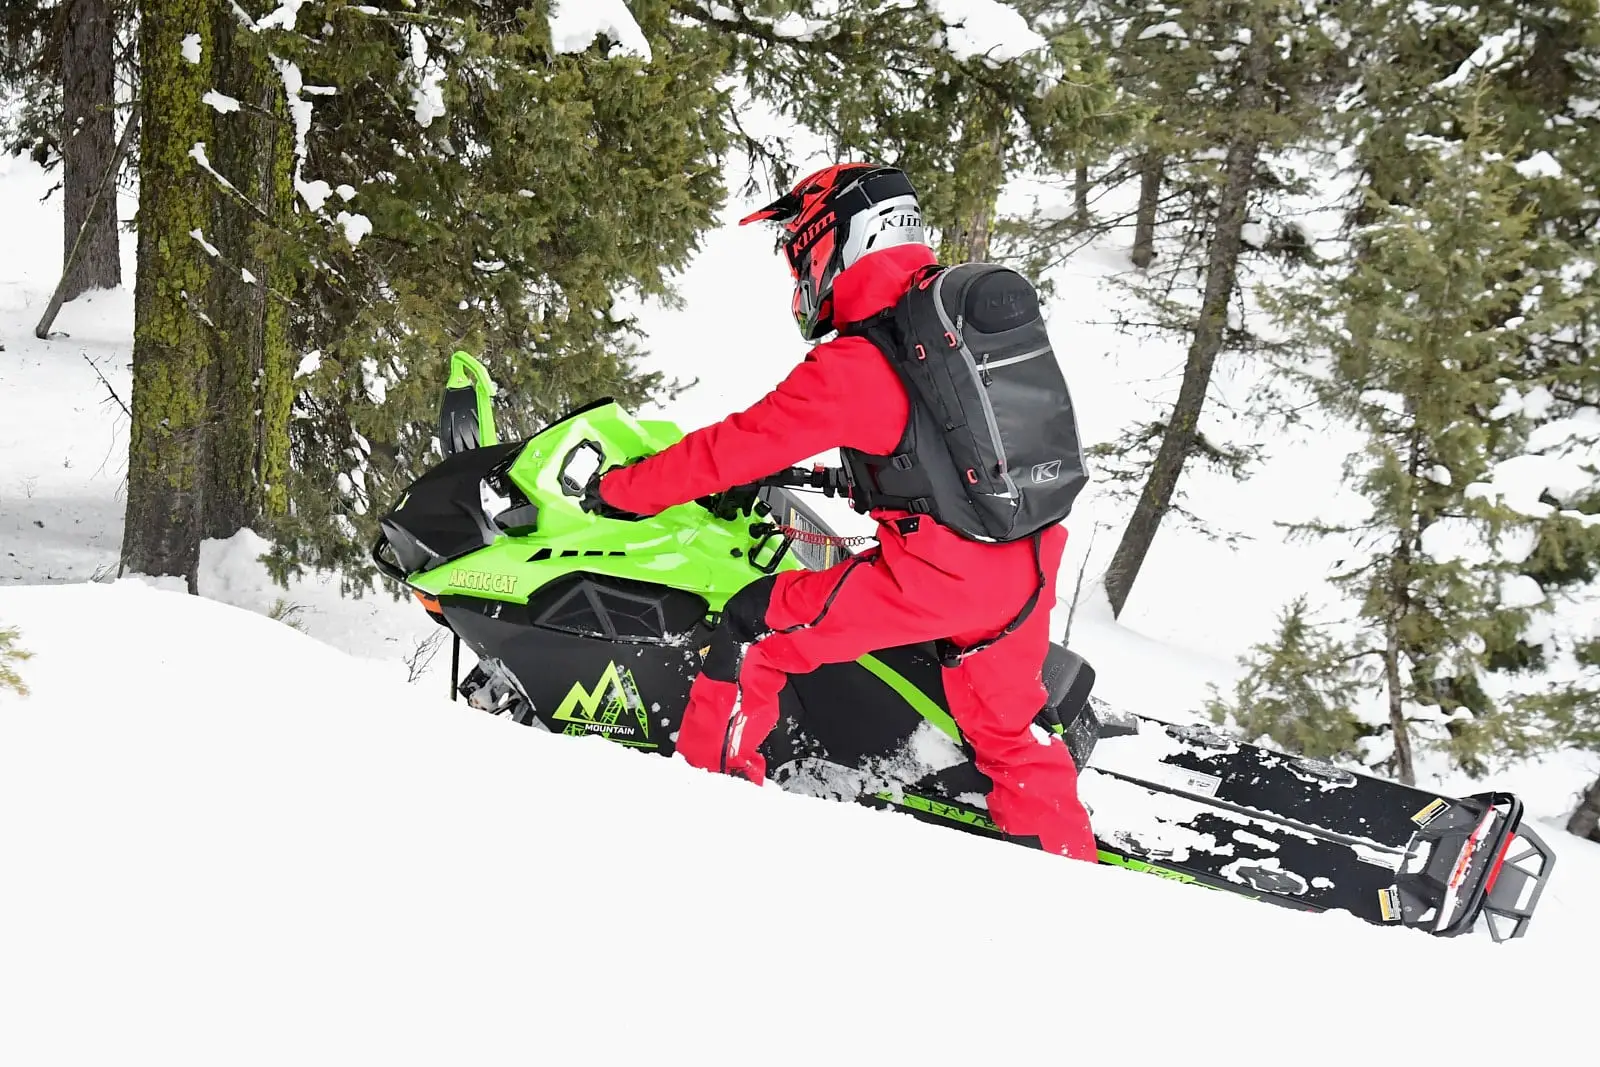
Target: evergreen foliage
(515,197)
(1301,693)
(10,656)
(906,84)
(1422,325)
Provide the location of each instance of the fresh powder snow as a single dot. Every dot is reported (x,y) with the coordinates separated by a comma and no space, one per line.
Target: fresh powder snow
(239,845)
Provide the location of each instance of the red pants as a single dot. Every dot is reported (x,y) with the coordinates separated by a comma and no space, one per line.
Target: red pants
(921,585)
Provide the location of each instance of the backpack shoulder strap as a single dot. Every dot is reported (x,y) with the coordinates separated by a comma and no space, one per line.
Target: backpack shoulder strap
(884,329)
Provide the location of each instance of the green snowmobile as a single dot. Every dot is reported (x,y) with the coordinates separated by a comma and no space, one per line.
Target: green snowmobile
(587,625)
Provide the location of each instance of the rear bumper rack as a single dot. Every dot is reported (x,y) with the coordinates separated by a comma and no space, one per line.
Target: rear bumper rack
(1475,860)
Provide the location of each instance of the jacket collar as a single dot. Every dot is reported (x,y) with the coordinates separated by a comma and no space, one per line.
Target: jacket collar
(876,282)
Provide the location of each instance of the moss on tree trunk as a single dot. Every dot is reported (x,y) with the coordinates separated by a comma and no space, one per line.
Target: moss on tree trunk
(171,349)
(250,378)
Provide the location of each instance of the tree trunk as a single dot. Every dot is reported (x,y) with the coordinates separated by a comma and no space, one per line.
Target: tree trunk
(88,144)
(1151,166)
(1585,822)
(1080,196)
(171,349)
(981,174)
(1209,330)
(1405,770)
(250,385)
(104,200)
(975,249)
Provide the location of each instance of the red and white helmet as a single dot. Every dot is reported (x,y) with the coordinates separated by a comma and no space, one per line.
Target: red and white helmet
(833,218)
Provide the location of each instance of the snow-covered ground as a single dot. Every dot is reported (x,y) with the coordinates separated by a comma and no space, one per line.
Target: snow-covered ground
(222,841)
(228,843)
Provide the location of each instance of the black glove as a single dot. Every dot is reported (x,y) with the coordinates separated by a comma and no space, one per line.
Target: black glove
(731,503)
(595,505)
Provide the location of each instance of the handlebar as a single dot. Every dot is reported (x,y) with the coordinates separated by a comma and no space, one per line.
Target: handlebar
(830,480)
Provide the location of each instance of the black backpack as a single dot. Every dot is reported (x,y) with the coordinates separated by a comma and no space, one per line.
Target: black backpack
(992,449)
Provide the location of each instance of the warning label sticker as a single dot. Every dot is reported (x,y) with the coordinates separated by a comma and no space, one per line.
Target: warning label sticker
(1435,808)
(1187,781)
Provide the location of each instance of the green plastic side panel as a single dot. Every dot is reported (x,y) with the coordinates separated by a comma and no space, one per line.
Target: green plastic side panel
(919,700)
(467,372)
(683,547)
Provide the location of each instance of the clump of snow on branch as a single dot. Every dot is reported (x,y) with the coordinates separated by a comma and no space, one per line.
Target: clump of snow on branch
(191,48)
(574,24)
(315,194)
(1560,461)
(427,95)
(197,152)
(985,28)
(1539,165)
(355,226)
(200,235)
(283,17)
(1488,55)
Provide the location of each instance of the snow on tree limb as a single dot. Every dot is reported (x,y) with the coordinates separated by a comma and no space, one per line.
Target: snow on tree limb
(1488,55)
(985,28)
(574,25)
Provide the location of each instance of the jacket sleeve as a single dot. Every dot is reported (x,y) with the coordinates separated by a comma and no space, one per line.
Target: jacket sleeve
(809,412)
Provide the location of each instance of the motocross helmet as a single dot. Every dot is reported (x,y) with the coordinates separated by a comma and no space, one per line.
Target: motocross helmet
(829,221)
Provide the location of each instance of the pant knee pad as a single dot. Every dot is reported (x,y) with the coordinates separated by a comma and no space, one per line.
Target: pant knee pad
(744,621)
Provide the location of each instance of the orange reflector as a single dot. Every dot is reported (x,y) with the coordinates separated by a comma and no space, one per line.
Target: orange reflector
(429,603)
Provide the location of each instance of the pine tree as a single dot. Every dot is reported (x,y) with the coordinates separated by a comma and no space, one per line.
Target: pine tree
(1534,67)
(476,190)
(90,251)
(252,238)
(59,64)
(1419,327)
(208,449)
(1301,693)
(1235,86)
(915,86)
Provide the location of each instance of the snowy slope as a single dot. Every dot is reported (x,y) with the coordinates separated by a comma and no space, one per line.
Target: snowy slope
(227,843)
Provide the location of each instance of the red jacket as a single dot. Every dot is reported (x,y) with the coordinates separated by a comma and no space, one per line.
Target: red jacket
(843,394)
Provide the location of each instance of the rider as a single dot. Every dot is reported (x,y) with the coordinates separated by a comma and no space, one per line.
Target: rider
(854,239)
